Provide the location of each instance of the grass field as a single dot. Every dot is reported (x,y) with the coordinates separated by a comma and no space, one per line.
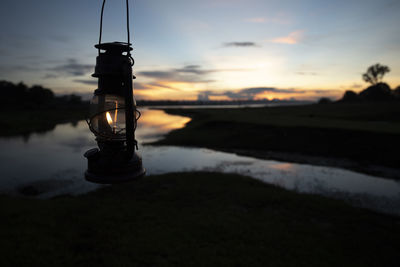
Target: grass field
(194,219)
(367,134)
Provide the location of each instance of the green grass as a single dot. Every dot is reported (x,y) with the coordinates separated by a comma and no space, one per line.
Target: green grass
(364,133)
(194,219)
(24,122)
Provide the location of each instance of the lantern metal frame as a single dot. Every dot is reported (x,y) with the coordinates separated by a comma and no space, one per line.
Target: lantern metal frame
(115,160)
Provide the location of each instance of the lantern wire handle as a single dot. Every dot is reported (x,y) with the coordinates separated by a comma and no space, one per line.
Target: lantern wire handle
(127,25)
(101,22)
(127,28)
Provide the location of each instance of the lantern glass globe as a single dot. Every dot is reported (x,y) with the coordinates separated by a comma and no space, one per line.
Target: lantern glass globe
(107,113)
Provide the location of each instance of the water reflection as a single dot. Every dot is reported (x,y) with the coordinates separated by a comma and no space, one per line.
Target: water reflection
(155,123)
(282,166)
(52,163)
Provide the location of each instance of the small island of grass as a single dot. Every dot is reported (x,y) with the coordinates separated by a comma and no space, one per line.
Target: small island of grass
(362,136)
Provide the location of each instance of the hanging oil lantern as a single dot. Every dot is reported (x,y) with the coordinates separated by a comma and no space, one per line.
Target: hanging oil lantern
(113,116)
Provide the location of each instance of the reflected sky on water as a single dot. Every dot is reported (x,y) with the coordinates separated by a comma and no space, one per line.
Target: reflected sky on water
(155,123)
(52,163)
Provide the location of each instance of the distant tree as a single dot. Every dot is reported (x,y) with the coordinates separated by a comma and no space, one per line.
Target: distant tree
(377,92)
(375,73)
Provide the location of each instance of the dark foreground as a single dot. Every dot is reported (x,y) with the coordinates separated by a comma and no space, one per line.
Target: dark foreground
(363,136)
(194,219)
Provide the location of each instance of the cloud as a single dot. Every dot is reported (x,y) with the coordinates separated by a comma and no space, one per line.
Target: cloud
(250,93)
(310,73)
(49,76)
(178,79)
(16,68)
(256,20)
(157,74)
(194,69)
(325,91)
(204,95)
(91,82)
(246,93)
(71,68)
(187,74)
(177,74)
(139,86)
(254,92)
(240,44)
(153,85)
(356,85)
(291,38)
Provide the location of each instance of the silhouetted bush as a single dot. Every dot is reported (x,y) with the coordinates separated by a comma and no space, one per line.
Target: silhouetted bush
(396,93)
(377,92)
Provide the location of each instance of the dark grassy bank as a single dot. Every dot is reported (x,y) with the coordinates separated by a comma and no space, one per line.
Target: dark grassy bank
(25,122)
(367,134)
(194,219)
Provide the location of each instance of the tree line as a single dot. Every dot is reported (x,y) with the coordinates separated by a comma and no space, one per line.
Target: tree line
(20,96)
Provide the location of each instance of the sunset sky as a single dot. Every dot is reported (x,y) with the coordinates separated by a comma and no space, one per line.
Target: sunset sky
(209,49)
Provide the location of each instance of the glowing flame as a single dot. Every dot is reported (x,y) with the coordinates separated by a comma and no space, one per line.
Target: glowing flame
(109,119)
(116,111)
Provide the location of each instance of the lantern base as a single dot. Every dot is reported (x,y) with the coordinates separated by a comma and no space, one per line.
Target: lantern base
(105,170)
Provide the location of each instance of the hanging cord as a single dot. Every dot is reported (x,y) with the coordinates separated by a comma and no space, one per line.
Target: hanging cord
(101,22)
(127,25)
(129,35)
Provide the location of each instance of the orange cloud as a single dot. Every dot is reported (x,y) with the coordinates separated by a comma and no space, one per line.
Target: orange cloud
(291,38)
(168,90)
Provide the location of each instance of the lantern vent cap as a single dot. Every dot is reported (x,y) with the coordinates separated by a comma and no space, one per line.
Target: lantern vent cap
(115,47)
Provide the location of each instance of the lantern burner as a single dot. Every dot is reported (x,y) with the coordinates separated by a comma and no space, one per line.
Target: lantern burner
(109,166)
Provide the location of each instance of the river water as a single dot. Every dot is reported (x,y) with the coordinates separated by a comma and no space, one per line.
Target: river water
(52,163)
